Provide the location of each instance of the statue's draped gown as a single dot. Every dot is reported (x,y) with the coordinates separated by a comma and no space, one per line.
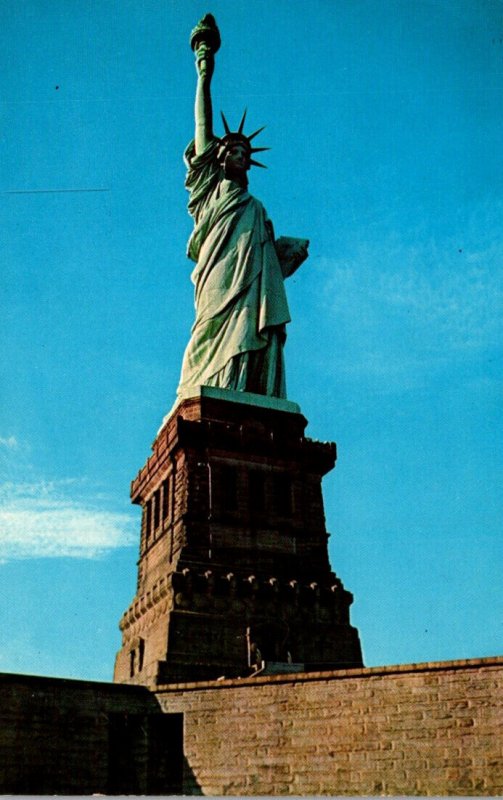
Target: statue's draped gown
(241,308)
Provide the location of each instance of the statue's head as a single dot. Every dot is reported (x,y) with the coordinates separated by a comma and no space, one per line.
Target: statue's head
(235,158)
(235,152)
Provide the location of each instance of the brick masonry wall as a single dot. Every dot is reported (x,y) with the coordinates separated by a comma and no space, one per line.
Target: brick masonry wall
(425,729)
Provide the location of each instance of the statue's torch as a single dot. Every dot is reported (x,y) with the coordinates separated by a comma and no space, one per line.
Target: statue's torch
(205,40)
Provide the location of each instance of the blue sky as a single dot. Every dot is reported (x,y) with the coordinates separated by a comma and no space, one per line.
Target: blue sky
(385,123)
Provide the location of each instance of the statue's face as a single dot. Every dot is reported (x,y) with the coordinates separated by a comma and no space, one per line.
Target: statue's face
(237,159)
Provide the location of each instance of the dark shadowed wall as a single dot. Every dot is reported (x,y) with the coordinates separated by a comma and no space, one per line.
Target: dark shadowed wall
(78,737)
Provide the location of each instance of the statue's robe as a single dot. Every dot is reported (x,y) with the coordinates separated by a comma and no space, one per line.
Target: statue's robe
(241,307)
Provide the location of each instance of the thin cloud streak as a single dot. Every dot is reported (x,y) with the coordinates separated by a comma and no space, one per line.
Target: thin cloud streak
(41,520)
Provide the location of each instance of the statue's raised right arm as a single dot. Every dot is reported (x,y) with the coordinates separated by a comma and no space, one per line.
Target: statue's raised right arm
(205,62)
(205,41)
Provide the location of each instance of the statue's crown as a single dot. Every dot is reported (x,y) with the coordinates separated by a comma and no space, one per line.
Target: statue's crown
(231,137)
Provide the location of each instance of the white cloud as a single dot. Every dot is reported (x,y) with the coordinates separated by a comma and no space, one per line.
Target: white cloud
(8,441)
(49,519)
(402,311)
(457,306)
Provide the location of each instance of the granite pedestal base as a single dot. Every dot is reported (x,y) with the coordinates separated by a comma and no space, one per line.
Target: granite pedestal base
(234,567)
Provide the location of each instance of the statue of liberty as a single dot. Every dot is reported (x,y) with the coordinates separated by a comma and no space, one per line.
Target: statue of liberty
(241,307)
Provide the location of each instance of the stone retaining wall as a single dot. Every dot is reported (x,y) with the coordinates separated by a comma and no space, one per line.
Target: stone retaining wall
(427,729)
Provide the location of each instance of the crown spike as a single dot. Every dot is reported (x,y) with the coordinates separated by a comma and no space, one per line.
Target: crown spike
(256,133)
(257,164)
(259,149)
(226,125)
(242,123)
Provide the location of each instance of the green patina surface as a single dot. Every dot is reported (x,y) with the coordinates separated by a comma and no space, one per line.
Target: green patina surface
(241,306)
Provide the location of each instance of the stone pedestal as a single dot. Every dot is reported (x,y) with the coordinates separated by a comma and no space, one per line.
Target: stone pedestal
(234,566)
